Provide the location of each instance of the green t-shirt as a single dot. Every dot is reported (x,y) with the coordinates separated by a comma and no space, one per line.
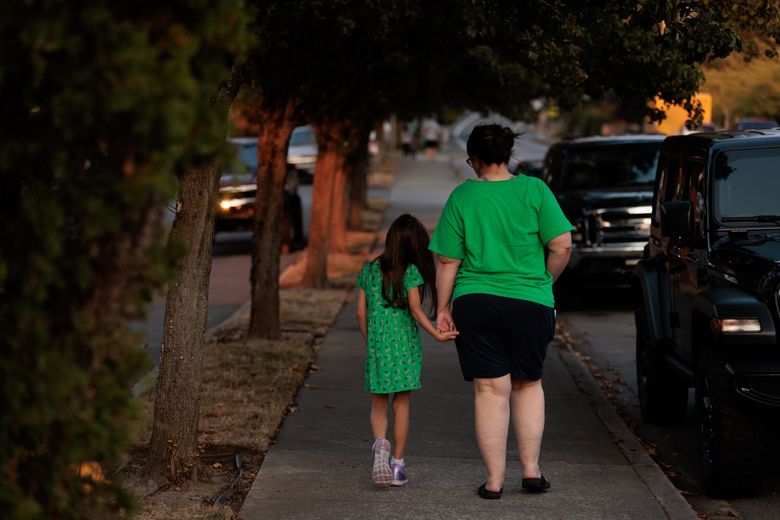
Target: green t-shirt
(499,229)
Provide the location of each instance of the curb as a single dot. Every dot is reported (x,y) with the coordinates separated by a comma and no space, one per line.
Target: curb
(668,497)
(149,380)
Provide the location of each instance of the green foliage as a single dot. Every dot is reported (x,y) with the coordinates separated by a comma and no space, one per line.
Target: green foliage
(639,50)
(743,88)
(376,57)
(102,106)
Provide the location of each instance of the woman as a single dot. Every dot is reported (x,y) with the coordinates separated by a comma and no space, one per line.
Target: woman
(500,243)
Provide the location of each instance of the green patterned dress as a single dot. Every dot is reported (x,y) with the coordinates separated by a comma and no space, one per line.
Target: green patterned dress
(393,350)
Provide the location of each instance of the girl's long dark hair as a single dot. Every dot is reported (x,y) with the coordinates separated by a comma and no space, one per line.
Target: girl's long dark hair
(407,243)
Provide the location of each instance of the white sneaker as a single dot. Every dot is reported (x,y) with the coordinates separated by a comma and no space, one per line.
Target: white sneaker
(381,472)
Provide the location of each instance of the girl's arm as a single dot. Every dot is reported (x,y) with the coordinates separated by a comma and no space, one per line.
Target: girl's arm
(415,307)
(446,269)
(362,314)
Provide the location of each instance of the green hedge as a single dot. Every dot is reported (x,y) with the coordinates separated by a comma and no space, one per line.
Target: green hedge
(102,105)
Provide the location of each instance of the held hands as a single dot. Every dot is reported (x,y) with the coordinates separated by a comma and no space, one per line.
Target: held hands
(445,336)
(445,327)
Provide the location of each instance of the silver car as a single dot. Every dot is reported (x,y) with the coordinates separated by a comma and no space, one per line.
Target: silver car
(302,152)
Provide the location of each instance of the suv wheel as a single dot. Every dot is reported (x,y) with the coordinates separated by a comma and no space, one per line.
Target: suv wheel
(732,443)
(663,396)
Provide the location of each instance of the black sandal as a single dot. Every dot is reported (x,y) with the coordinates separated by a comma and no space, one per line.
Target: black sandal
(487,494)
(536,485)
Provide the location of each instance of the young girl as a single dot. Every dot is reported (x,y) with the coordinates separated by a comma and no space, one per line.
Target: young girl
(392,288)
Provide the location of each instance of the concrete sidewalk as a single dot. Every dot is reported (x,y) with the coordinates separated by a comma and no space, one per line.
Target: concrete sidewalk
(320,466)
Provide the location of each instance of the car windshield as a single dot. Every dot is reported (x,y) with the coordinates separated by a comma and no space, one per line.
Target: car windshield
(246,158)
(746,183)
(302,136)
(610,166)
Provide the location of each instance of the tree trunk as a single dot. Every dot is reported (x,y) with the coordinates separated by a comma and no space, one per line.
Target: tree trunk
(329,161)
(276,126)
(357,173)
(174,445)
(338,226)
(355,149)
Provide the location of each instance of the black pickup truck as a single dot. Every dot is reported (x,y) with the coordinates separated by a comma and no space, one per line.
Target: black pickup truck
(707,294)
(605,187)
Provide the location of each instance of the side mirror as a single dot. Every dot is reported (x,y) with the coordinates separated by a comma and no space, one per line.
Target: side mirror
(676,218)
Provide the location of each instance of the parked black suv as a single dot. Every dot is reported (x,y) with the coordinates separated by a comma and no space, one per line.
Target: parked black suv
(605,186)
(707,300)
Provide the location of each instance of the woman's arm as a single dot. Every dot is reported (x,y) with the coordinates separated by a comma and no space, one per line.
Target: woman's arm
(558,252)
(446,269)
(415,307)
(362,315)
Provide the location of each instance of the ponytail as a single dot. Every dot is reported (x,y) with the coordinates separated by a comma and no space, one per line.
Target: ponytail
(491,144)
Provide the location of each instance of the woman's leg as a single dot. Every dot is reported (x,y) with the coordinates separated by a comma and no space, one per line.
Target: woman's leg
(379,415)
(400,423)
(528,421)
(491,417)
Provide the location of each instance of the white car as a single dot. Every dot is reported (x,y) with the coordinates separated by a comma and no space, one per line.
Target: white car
(302,152)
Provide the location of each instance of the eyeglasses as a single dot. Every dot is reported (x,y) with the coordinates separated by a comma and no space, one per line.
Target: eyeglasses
(470,162)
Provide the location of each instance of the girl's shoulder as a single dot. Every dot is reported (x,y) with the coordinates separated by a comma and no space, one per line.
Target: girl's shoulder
(412,277)
(367,273)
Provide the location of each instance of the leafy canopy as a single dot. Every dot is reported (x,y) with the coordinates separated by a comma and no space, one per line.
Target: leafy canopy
(376,57)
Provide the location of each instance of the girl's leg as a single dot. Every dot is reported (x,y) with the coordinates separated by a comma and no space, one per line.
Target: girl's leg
(491,417)
(380,450)
(379,415)
(400,422)
(528,421)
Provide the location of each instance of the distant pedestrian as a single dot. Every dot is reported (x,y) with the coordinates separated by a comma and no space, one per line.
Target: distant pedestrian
(392,289)
(431,134)
(406,141)
(501,241)
(292,214)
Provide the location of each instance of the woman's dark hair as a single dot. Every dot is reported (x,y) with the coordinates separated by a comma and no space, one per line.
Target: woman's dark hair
(406,243)
(491,144)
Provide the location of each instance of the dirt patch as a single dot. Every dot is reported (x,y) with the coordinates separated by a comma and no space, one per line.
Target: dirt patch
(342,268)
(248,387)
(191,513)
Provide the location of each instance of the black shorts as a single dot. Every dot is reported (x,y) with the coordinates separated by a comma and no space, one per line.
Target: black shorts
(500,336)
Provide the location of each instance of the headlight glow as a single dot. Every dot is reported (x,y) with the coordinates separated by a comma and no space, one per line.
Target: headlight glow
(736,324)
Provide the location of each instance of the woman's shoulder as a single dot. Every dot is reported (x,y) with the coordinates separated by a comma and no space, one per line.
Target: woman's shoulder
(533,185)
(529,180)
(460,189)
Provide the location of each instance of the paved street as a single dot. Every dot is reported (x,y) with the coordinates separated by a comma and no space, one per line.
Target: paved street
(603,323)
(320,468)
